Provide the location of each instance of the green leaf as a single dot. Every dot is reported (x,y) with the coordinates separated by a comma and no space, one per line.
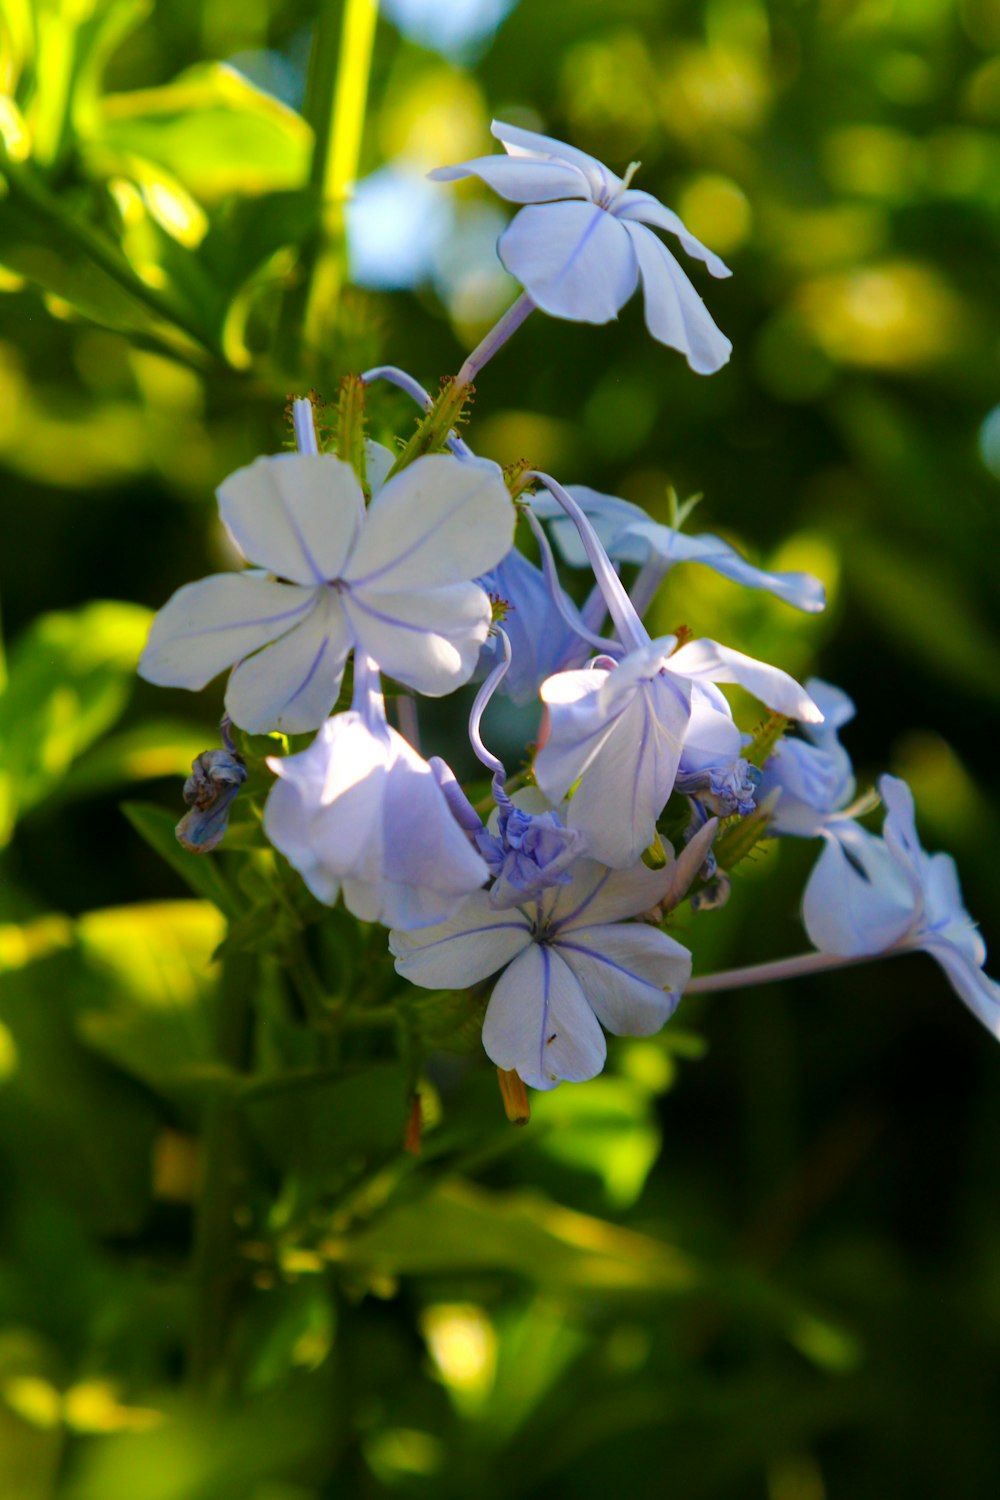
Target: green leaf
(461,1228)
(312,1123)
(149,1007)
(200,871)
(605,1128)
(154,749)
(69,679)
(71,1126)
(213,130)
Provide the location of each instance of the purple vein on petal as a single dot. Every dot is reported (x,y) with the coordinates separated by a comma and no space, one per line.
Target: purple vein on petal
(377,614)
(609,963)
(546,986)
(317,572)
(572,916)
(474,932)
(286,614)
(311,672)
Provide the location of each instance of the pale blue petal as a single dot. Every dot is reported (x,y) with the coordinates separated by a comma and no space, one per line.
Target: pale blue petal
(631,974)
(600,896)
(980,993)
(539,1024)
(206,626)
(635,204)
(429,639)
(573,259)
(473,943)
(649,538)
(295,514)
(675,314)
(707,660)
(442,520)
(541,641)
(611,518)
(520,179)
(293,685)
(857,905)
(522,144)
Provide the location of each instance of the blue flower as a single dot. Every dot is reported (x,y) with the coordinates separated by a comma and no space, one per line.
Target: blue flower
(582,244)
(568,962)
(870,895)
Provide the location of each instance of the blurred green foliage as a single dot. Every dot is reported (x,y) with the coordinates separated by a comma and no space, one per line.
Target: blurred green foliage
(758,1257)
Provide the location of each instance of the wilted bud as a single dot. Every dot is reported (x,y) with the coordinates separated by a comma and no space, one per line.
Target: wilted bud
(216,777)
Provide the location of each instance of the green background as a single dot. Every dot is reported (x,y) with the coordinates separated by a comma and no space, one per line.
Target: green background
(760,1256)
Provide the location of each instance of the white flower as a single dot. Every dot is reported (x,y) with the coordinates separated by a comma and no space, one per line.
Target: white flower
(394,581)
(570,962)
(617,734)
(582,245)
(360,813)
(870,895)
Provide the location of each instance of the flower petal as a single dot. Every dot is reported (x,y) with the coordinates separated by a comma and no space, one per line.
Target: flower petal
(610,517)
(208,625)
(520,143)
(635,204)
(295,514)
(542,641)
(472,944)
(293,685)
(577,726)
(860,904)
(980,993)
(538,1022)
(378,461)
(288,825)
(599,896)
(520,179)
(442,520)
(799,589)
(624,748)
(631,974)
(708,660)
(573,259)
(430,638)
(675,314)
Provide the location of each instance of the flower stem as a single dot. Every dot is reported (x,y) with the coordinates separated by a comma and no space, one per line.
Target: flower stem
(781,968)
(216,1268)
(495,339)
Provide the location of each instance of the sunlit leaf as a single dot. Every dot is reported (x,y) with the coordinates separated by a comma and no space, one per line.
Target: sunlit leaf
(213,130)
(157,826)
(151,1009)
(70,677)
(459,1227)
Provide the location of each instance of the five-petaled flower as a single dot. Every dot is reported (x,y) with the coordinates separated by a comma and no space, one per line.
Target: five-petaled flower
(582,244)
(394,581)
(571,963)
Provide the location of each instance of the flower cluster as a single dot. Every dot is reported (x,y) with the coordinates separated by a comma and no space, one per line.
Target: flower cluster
(557,892)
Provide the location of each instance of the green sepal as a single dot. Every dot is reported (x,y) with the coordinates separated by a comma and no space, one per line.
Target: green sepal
(765,739)
(741,837)
(434,429)
(350,440)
